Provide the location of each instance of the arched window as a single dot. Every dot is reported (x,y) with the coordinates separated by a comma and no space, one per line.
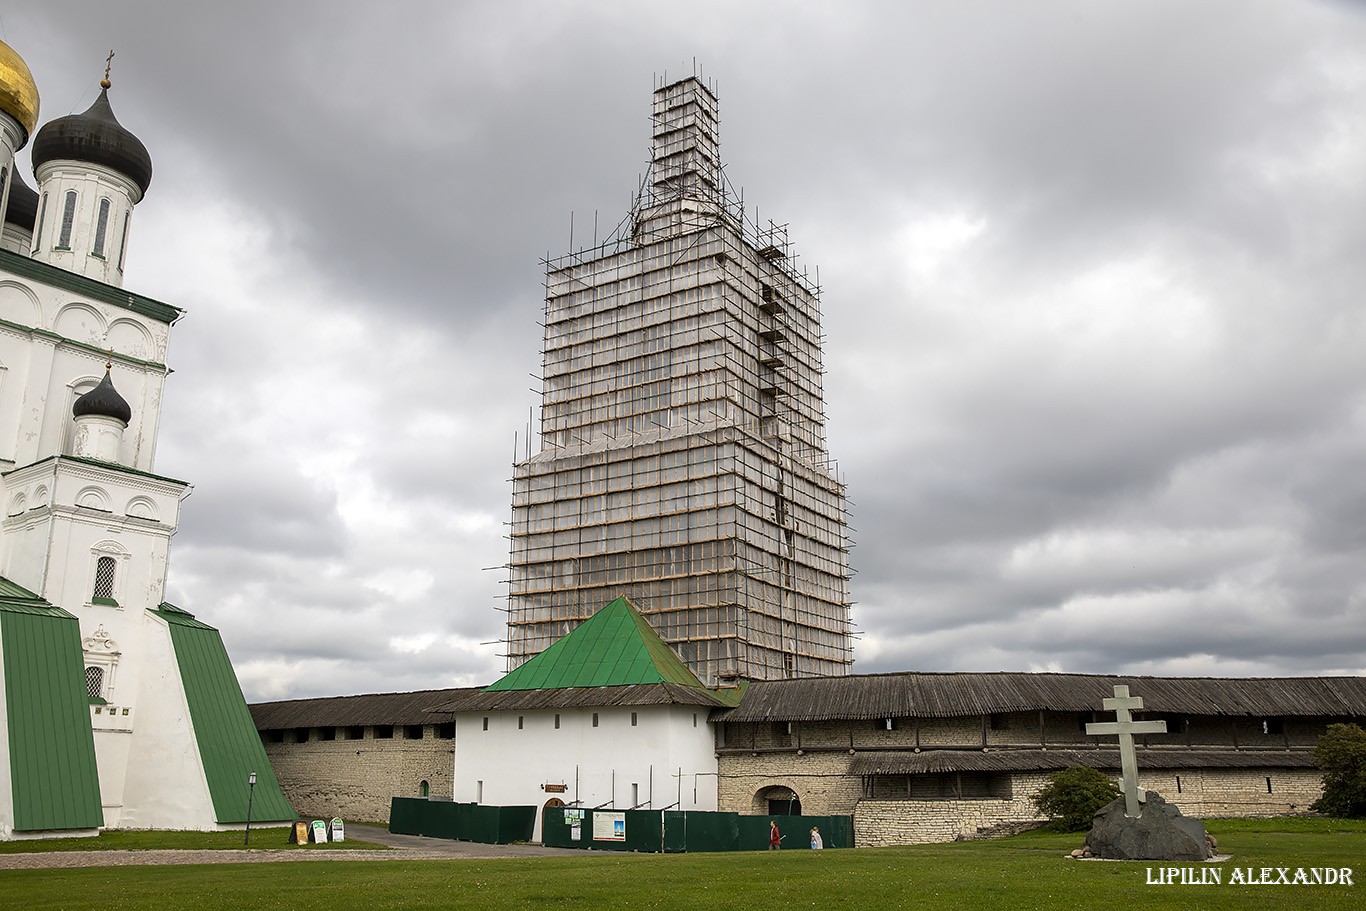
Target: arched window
(426,789)
(42,215)
(104,581)
(94,682)
(101,226)
(68,219)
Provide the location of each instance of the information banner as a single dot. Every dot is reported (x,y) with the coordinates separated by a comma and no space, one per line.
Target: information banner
(609,826)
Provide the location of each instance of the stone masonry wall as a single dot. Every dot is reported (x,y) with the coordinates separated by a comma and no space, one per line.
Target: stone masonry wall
(821,781)
(1203,793)
(355,779)
(910,822)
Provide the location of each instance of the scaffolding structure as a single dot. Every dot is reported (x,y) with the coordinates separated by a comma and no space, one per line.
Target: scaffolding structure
(683,458)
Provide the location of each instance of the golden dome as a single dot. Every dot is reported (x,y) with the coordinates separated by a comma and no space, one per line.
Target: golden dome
(18,94)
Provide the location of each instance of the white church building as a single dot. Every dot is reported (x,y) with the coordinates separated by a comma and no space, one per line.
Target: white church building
(117,710)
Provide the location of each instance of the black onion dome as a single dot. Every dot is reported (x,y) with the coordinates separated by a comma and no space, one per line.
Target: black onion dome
(105,400)
(22,208)
(95,137)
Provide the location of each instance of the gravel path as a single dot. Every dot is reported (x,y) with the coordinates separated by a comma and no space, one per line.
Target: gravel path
(402,847)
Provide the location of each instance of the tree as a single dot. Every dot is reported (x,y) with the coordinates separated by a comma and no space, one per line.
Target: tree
(1341,753)
(1076,794)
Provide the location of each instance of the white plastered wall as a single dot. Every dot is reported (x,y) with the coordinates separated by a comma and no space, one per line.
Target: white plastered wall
(597,765)
(164,786)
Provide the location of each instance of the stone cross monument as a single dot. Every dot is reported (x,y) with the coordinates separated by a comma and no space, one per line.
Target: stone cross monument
(1126,728)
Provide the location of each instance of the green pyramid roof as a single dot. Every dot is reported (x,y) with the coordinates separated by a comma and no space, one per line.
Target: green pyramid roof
(614,647)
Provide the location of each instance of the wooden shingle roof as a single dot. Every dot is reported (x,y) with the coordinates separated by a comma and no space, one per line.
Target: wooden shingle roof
(949,695)
(343,711)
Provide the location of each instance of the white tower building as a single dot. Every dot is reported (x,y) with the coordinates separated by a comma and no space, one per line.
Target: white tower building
(683,460)
(116,708)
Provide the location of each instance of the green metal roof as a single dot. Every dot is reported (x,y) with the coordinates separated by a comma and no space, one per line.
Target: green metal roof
(228,743)
(54,780)
(614,647)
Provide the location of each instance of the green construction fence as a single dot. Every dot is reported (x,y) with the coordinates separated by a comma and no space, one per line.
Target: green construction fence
(461,821)
(677,831)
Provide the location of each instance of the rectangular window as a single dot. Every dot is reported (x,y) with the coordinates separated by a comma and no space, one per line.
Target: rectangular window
(384,732)
(327,733)
(301,735)
(446,731)
(633,719)
(595,719)
(94,682)
(275,736)
(68,219)
(520,720)
(101,226)
(557,722)
(486,723)
(1268,784)
(355,732)
(412,732)
(478,792)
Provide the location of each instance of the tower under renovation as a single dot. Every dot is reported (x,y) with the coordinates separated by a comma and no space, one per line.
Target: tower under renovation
(683,458)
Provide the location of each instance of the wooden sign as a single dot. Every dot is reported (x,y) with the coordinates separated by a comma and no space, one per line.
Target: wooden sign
(556,788)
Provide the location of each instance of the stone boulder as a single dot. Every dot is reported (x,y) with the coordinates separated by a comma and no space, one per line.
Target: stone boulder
(1160,832)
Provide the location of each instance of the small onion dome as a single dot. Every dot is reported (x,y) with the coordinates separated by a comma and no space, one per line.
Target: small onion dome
(18,92)
(22,208)
(104,400)
(95,137)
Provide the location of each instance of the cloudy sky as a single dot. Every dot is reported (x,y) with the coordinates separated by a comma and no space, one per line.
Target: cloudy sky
(1095,304)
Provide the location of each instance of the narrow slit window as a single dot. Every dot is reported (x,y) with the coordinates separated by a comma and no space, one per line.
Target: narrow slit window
(104,579)
(68,219)
(42,216)
(123,244)
(101,226)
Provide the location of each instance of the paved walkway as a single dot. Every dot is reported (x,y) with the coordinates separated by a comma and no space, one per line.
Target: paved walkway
(403,847)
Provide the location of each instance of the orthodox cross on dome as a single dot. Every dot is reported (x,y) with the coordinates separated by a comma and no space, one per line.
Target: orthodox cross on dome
(108,62)
(1126,728)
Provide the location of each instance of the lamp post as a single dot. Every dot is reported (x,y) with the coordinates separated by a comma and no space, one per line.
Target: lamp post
(251,791)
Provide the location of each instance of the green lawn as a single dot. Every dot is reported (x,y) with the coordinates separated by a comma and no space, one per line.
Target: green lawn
(1025,872)
(135,840)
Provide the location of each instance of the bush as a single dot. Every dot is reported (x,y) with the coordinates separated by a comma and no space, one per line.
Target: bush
(1341,753)
(1075,795)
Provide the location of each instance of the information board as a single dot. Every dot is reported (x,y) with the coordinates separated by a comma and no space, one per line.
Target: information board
(609,826)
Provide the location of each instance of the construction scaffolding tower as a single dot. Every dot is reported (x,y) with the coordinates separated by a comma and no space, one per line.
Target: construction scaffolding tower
(682,458)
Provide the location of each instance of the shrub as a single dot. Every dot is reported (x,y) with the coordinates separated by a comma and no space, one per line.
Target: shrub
(1341,753)
(1075,795)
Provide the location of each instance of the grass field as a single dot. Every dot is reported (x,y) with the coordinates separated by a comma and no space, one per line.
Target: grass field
(1024,872)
